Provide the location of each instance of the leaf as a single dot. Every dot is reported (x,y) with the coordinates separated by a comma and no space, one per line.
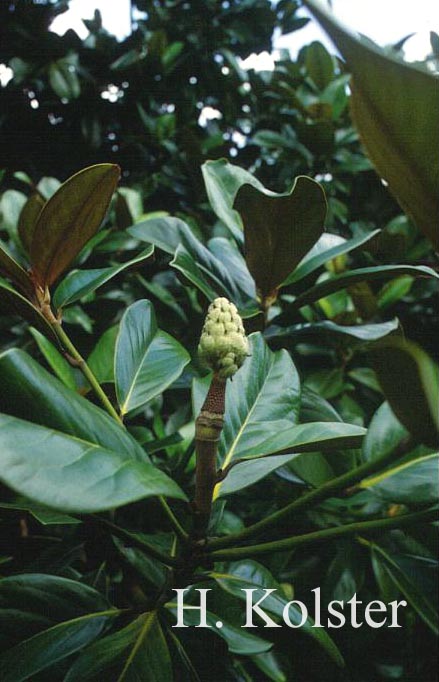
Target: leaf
(13,303)
(80,283)
(250,574)
(279,229)
(319,64)
(404,581)
(395,106)
(329,246)
(46,516)
(30,392)
(362,332)
(346,279)
(139,650)
(101,359)
(238,640)
(261,401)
(13,271)
(72,474)
(384,434)
(209,269)
(50,646)
(69,219)
(28,219)
(223,180)
(60,366)
(303,438)
(33,602)
(147,360)
(64,79)
(410,483)
(400,364)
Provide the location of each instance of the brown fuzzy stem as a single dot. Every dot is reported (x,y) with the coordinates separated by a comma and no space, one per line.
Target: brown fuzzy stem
(208,427)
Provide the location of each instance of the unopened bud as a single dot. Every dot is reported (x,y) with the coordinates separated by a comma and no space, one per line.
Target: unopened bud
(223,344)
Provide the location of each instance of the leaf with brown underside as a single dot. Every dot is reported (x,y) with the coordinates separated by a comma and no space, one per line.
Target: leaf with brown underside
(13,303)
(69,219)
(12,270)
(395,106)
(28,219)
(279,230)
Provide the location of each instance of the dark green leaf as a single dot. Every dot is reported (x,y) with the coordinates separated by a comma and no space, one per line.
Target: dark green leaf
(139,651)
(346,279)
(101,359)
(250,574)
(79,283)
(410,483)
(329,246)
(147,360)
(404,581)
(237,639)
(384,434)
(71,474)
(53,357)
(319,64)
(42,651)
(32,393)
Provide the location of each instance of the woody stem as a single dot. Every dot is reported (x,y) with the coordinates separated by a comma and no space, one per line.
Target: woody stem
(208,427)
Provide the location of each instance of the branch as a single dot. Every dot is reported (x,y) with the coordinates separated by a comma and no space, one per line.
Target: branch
(363,527)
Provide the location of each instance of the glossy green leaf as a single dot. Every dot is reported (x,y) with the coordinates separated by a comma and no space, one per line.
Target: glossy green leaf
(147,360)
(319,64)
(101,359)
(45,649)
(279,229)
(53,357)
(30,392)
(216,270)
(46,516)
(165,233)
(410,483)
(12,270)
(346,279)
(401,364)
(138,652)
(303,438)
(384,434)
(269,665)
(404,581)
(329,246)
(79,283)
(395,106)
(13,303)
(72,474)
(261,401)
(238,640)
(250,574)
(28,219)
(69,219)
(362,332)
(223,180)
(32,602)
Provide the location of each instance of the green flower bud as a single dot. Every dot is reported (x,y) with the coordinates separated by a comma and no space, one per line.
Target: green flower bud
(223,344)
